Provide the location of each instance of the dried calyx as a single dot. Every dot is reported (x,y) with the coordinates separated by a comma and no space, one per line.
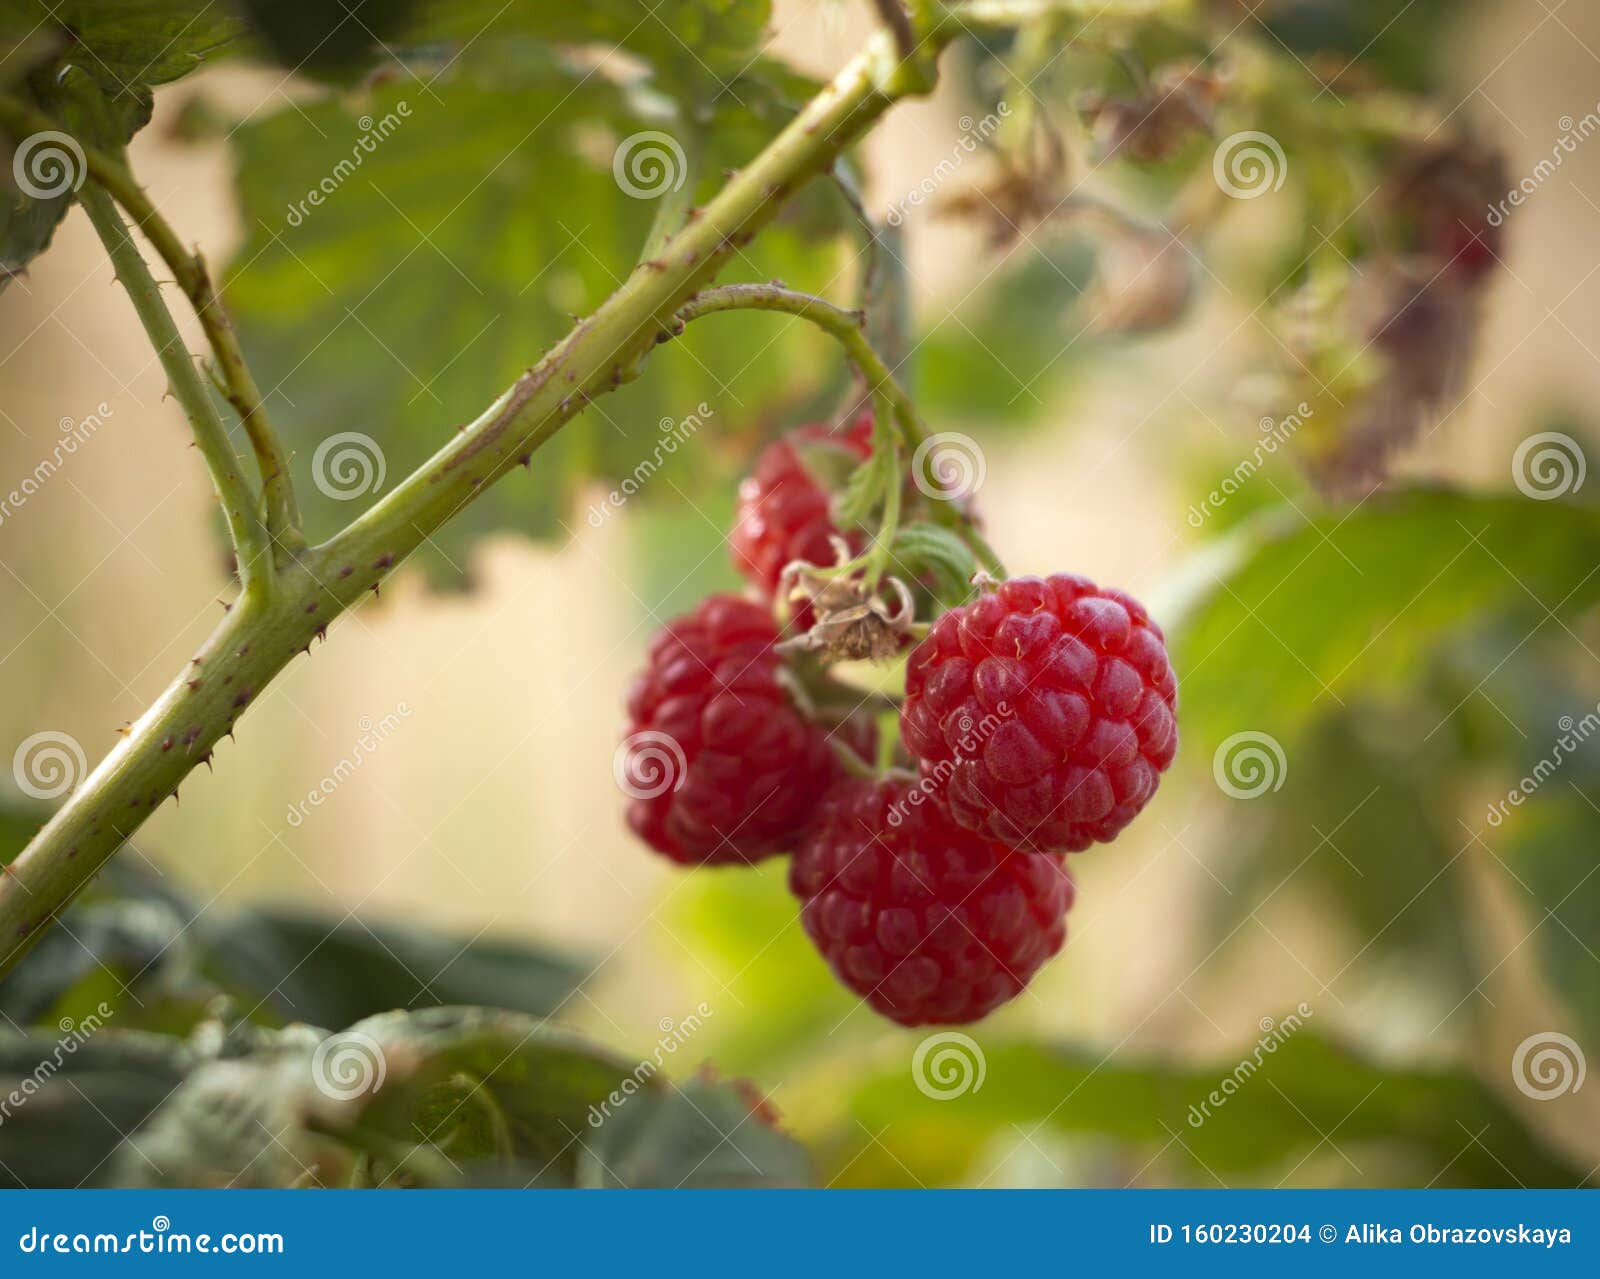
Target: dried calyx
(855,619)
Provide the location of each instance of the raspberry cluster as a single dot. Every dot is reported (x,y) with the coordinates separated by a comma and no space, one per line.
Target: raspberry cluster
(1037,719)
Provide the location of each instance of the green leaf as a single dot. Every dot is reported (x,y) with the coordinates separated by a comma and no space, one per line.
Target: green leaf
(66,1102)
(90,65)
(748,938)
(699,38)
(698,1136)
(338,41)
(331,971)
(1548,853)
(1278,1108)
(445,1096)
(935,551)
(131,44)
(1356,830)
(406,259)
(1286,618)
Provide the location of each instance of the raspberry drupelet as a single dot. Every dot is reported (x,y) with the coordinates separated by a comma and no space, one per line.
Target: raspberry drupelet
(1044,711)
(926,921)
(721,765)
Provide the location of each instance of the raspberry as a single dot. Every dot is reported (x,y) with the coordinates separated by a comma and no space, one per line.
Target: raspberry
(721,765)
(784,513)
(1044,710)
(928,922)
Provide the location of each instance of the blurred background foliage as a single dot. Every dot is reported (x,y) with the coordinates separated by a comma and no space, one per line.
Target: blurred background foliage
(1411,631)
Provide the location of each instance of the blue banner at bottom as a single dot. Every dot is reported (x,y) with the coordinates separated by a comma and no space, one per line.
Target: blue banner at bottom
(802,1233)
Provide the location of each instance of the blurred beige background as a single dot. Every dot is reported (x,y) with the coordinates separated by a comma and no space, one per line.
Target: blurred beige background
(491,806)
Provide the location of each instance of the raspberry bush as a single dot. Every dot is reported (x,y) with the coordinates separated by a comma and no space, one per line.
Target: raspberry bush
(907,734)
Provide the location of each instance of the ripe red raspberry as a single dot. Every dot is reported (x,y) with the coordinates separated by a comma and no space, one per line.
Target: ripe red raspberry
(1044,711)
(784,513)
(928,922)
(721,765)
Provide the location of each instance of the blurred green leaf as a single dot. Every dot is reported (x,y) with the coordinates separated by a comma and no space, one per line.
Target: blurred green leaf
(747,933)
(1279,1107)
(338,40)
(159,961)
(1001,353)
(696,1136)
(331,971)
(404,265)
(445,1096)
(66,1103)
(1286,617)
(89,64)
(706,38)
(126,44)
(1401,46)
(1548,850)
(1357,828)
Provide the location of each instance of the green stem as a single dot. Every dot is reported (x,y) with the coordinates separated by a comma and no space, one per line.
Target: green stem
(849,329)
(674,204)
(189,269)
(258,638)
(189,388)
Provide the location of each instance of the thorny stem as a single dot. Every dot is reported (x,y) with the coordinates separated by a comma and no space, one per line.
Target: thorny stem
(894,16)
(183,376)
(189,269)
(259,636)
